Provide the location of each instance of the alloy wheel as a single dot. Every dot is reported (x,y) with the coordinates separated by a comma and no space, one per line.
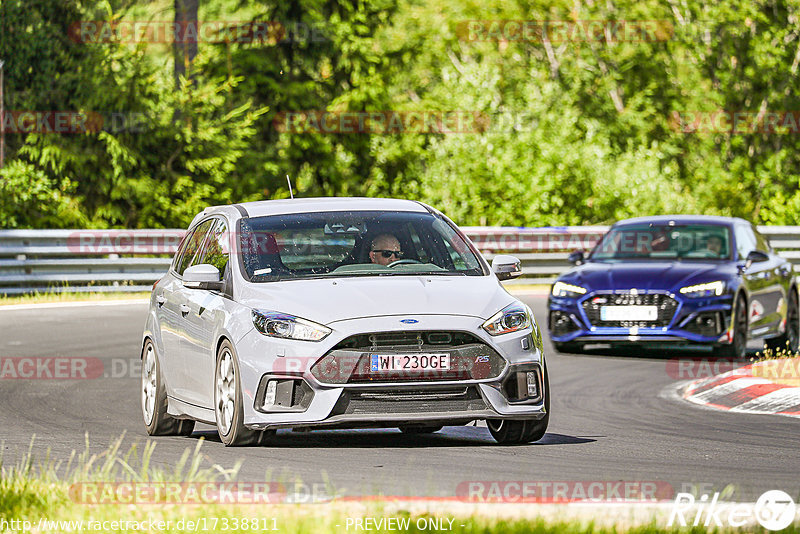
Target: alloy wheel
(225,392)
(149,385)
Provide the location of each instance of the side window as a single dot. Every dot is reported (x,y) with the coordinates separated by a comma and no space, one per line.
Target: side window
(458,259)
(458,250)
(419,248)
(761,242)
(745,240)
(217,247)
(176,260)
(192,245)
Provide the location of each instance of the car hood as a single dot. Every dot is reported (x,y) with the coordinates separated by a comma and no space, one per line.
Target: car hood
(645,275)
(329,300)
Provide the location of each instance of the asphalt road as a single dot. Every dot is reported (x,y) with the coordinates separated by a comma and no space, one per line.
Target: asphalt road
(612,419)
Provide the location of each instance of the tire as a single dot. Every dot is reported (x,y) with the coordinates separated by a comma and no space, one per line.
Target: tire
(791,338)
(567,347)
(420,429)
(515,432)
(737,350)
(228,404)
(154,399)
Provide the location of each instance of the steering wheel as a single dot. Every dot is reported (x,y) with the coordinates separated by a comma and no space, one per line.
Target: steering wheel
(405,261)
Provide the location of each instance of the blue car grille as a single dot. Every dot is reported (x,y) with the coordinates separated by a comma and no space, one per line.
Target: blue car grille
(666,309)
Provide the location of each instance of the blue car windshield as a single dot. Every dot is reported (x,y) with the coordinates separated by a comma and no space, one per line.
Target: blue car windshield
(657,242)
(353,243)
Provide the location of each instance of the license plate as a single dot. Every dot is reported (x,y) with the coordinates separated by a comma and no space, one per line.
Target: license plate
(628,313)
(409,362)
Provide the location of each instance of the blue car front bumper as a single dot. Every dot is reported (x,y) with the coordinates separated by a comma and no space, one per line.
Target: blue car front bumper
(680,319)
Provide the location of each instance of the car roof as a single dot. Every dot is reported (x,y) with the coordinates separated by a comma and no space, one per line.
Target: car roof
(312,205)
(682,219)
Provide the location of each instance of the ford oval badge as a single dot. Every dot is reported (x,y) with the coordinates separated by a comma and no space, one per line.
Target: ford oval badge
(409,321)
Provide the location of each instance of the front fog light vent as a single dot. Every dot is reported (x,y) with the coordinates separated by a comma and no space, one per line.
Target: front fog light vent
(524,386)
(280,394)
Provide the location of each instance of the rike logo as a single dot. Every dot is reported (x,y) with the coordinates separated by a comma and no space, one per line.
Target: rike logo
(774,510)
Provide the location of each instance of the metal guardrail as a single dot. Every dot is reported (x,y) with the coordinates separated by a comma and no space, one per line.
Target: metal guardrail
(132,260)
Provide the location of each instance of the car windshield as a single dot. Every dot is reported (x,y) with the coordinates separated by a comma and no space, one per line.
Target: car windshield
(355,243)
(654,241)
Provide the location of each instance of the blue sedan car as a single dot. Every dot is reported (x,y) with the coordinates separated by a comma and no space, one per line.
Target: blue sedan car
(679,279)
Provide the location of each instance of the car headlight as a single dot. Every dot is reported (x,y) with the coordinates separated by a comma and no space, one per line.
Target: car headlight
(512,318)
(708,289)
(562,289)
(282,325)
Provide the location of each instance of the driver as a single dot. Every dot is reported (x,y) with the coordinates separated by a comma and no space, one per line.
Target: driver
(714,245)
(385,249)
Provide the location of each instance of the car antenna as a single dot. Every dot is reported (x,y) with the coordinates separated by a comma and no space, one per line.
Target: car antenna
(291,193)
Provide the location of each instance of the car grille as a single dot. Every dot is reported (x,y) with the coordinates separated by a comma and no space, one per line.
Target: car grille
(666,308)
(349,361)
(409,401)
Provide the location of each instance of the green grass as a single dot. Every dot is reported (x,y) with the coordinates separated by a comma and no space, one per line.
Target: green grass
(67,296)
(33,489)
(37,298)
(524,288)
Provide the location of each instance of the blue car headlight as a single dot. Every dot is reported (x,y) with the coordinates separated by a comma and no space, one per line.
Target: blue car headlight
(562,289)
(285,326)
(708,289)
(512,318)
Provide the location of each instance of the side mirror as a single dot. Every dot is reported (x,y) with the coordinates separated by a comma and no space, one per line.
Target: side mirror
(576,258)
(755,256)
(506,267)
(203,276)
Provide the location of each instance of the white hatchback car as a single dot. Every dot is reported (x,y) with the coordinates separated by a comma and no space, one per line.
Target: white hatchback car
(338,313)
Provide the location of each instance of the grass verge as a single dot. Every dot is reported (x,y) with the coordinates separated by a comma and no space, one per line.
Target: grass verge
(527,288)
(42,298)
(50,297)
(38,496)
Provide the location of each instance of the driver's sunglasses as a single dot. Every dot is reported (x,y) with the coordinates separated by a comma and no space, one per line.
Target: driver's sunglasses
(388,253)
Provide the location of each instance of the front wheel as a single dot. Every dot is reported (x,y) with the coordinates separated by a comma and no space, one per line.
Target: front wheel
(738,348)
(228,404)
(515,432)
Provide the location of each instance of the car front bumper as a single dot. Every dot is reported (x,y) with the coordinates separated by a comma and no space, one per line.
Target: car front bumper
(693,321)
(324,402)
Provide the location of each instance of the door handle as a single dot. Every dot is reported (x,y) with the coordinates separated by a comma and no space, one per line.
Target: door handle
(160,300)
(185,309)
